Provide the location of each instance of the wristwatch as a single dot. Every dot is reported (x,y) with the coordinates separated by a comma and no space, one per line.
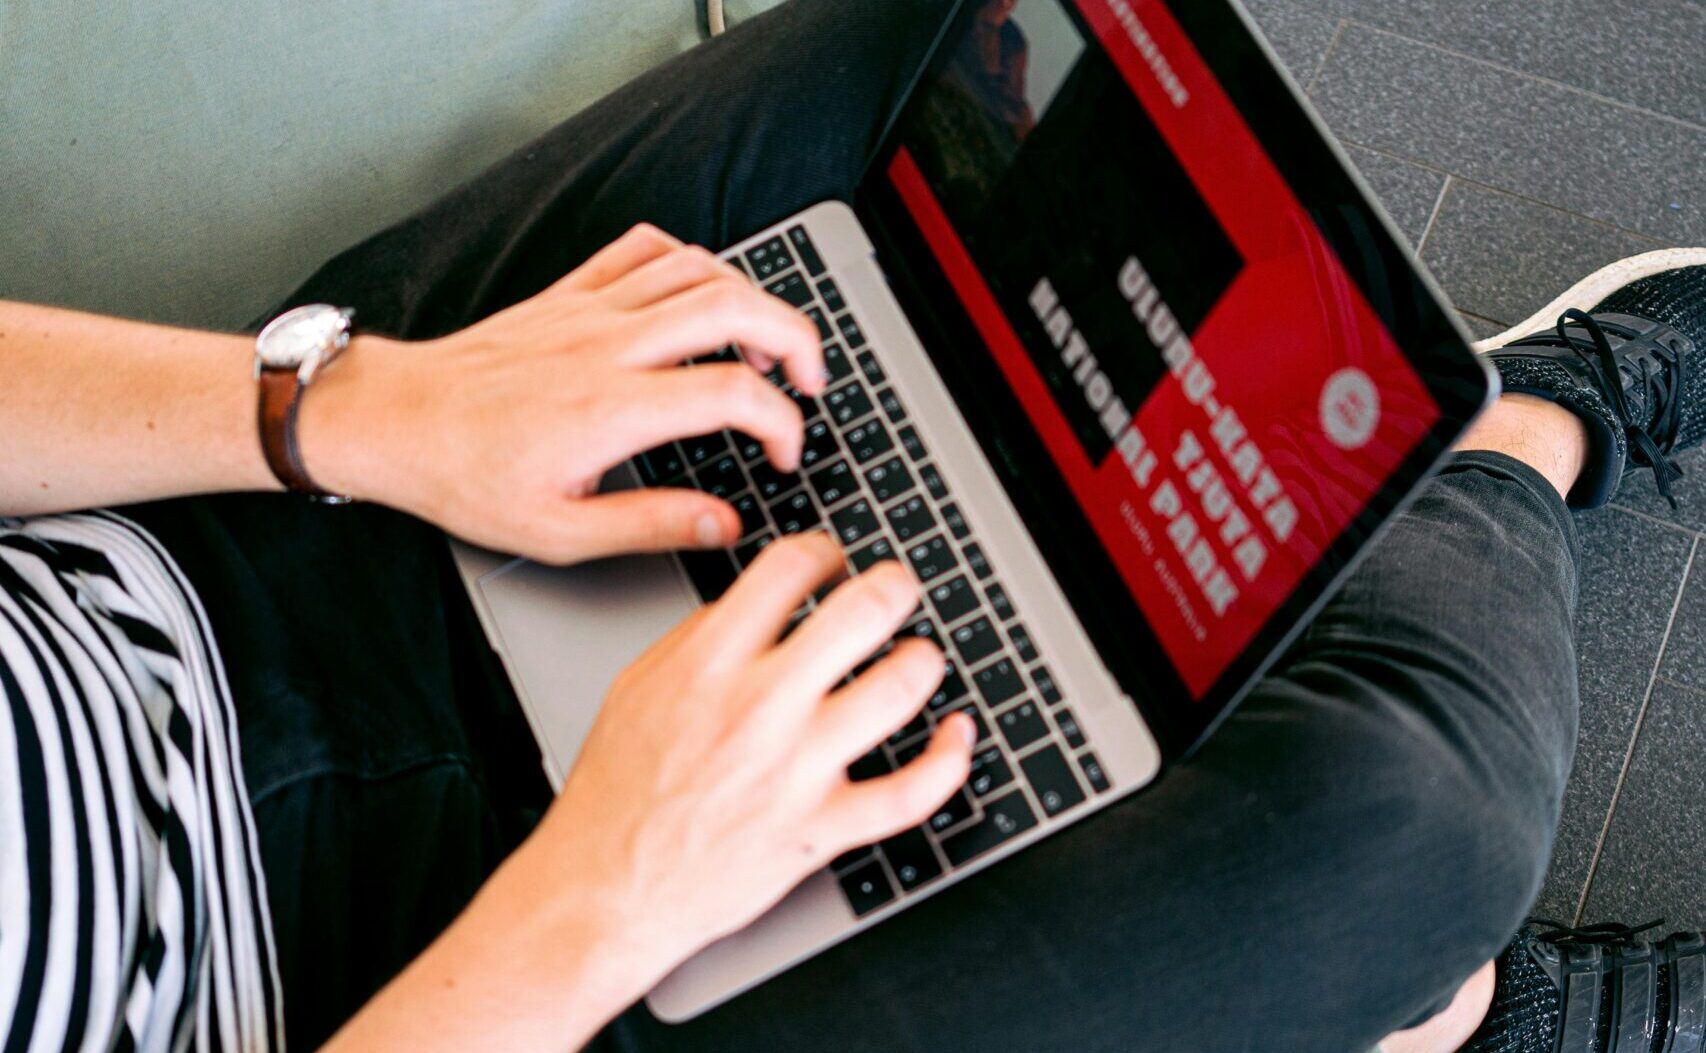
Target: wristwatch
(290,352)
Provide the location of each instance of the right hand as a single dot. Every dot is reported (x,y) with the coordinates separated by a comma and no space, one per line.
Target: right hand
(715,778)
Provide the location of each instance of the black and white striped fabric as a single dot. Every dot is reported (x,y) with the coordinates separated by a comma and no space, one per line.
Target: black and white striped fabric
(132,905)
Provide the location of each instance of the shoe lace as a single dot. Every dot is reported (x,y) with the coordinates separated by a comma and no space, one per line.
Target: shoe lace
(1604,934)
(1650,445)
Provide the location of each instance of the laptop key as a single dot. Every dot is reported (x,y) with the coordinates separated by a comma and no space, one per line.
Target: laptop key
(802,243)
(1069,729)
(1051,778)
(850,331)
(851,858)
(1046,686)
(999,602)
(723,477)
(997,682)
(868,441)
(1004,818)
(872,369)
(976,641)
(747,448)
(989,772)
(795,513)
(824,332)
(1023,645)
(792,288)
(911,443)
(704,449)
(916,726)
(748,551)
(711,572)
(836,362)
(662,465)
(956,522)
(847,403)
(975,712)
(911,858)
(922,628)
(889,480)
(1022,725)
(950,690)
(866,887)
(1093,773)
(933,482)
(820,444)
(953,600)
(771,483)
(931,559)
(854,523)
(834,483)
(890,402)
(871,555)
(911,518)
(751,513)
(977,561)
(769,259)
(956,810)
(831,294)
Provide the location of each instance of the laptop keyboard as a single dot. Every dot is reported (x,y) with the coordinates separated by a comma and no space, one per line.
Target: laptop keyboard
(867,477)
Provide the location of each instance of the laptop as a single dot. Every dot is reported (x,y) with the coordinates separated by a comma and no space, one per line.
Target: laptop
(1126,365)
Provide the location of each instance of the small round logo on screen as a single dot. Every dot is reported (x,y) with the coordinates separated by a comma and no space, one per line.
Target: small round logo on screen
(1350,408)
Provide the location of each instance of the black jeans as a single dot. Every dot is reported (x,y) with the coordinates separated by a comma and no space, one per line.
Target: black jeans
(1362,833)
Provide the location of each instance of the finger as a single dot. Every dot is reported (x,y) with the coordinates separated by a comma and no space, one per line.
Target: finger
(873,707)
(670,274)
(720,312)
(679,403)
(757,607)
(858,813)
(639,246)
(630,521)
(857,618)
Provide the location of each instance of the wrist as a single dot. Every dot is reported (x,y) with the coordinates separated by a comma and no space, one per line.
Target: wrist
(348,416)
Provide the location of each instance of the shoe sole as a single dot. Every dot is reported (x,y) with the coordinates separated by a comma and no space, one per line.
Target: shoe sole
(1596,287)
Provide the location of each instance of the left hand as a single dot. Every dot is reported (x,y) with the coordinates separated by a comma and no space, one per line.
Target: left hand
(500,433)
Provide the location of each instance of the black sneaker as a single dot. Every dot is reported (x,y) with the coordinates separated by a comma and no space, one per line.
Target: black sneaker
(1620,352)
(1600,989)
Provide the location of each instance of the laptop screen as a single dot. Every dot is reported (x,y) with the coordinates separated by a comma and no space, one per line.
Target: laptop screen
(1201,364)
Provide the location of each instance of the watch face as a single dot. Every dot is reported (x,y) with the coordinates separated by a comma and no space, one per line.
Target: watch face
(295,337)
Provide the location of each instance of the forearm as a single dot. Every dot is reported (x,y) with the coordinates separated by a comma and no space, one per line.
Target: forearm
(537,962)
(99,411)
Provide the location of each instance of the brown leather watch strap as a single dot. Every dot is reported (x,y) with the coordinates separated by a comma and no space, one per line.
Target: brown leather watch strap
(281,399)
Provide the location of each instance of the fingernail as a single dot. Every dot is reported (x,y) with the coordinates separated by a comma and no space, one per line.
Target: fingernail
(968,731)
(709,530)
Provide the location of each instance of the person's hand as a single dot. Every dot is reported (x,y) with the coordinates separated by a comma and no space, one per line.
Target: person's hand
(715,778)
(501,432)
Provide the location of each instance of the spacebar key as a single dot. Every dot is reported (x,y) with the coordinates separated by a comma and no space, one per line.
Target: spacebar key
(1003,819)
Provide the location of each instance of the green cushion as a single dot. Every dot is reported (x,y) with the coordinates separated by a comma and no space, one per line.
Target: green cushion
(191,162)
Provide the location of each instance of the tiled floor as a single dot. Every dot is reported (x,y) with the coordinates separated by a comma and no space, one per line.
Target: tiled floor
(1521,144)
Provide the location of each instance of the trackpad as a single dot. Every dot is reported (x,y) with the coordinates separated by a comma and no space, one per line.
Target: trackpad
(566,632)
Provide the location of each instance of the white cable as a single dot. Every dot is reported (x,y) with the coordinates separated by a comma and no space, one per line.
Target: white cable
(714,17)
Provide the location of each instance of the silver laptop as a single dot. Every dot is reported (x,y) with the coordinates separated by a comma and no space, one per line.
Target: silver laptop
(1125,365)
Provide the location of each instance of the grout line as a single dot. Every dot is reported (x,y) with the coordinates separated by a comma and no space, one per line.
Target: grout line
(1651,518)
(1506,192)
(1634,737)
(1332,45)
(1439,203)
(1527,75)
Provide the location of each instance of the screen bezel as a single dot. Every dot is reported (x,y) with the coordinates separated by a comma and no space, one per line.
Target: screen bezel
(1370,250)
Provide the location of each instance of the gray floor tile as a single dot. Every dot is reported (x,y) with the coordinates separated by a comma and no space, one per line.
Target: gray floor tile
(1503,257)
(1650,865)
(1543,141)
(1408,190)
(1631,568)
(1300,36)
(1646,54)
(1685,654)
(1639,493)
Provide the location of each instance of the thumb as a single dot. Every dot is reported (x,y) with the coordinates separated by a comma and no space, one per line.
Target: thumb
(632,521)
